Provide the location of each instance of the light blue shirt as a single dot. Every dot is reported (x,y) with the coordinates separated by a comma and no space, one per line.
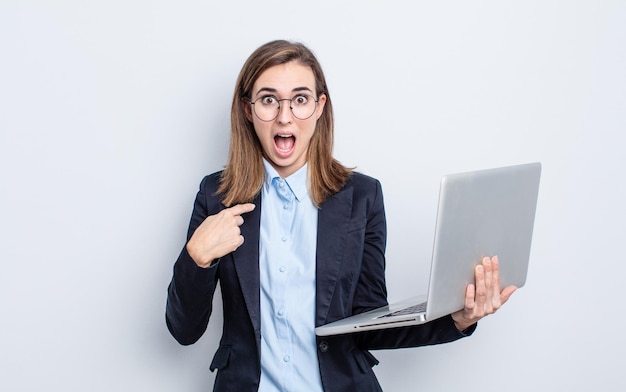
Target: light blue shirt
(287,252)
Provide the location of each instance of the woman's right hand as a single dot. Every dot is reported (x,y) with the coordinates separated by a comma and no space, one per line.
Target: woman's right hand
(218,235)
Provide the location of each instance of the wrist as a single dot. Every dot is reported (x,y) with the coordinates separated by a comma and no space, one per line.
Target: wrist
(460,322)
(202,261)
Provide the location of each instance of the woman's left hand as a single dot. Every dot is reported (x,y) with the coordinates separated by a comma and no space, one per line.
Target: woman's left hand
(484,297)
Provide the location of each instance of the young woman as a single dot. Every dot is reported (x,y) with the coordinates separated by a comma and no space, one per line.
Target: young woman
(296,240)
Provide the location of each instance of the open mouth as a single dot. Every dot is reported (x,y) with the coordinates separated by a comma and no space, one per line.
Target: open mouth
(284,143)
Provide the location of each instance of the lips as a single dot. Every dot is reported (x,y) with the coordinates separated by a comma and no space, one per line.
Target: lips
(284,144)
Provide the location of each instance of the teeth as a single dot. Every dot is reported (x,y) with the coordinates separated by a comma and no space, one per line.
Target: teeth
(279,135)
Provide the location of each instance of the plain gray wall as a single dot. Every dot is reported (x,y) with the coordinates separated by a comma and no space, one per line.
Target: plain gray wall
(112,111)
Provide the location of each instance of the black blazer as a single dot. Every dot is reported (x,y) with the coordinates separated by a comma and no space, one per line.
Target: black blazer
(350,278)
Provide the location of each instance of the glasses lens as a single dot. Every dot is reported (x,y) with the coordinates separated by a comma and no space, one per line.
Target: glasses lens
(266,108)
(303,106)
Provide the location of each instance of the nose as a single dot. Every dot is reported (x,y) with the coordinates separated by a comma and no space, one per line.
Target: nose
(284,111)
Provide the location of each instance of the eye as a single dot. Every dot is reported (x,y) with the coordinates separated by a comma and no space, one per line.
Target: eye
(300,100)
(269,100)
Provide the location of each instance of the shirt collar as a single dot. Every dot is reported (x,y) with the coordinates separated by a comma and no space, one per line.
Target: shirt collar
(297,182)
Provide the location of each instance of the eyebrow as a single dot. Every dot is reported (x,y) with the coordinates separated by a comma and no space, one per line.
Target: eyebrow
(274,91)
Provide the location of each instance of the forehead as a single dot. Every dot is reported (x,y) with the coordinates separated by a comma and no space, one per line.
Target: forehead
(285,78)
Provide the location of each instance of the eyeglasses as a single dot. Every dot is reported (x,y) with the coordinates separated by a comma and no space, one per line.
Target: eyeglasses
(267,107)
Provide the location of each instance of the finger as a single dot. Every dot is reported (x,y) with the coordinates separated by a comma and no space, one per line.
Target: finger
(240,241)
(488,274)
(239,209)
(232,244)
(239,220)
(481,291)
(470,297)
(495,267)
(491,298)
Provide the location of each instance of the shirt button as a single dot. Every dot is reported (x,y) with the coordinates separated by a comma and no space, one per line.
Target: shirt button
(286,358)
(281,312)
(282,268)
(284,239)
(323,346)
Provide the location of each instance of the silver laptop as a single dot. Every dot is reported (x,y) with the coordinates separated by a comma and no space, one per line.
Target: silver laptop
(481,213)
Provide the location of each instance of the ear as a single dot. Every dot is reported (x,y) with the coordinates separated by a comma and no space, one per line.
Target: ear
(321,102)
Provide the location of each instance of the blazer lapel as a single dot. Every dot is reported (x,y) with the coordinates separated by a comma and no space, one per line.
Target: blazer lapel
(332,229)
(246,262)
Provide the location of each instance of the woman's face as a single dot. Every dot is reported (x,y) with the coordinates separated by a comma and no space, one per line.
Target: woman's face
(285,139)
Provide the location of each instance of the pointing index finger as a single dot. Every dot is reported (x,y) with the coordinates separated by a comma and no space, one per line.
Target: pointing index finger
(240,209)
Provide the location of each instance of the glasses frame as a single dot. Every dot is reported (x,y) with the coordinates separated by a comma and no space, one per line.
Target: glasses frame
(251,102)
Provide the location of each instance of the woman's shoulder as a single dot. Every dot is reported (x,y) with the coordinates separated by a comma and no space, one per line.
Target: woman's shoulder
(364,185)
(208,193)
(361,179)
(211,181)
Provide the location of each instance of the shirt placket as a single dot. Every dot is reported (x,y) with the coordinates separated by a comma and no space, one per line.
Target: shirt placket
(286,217)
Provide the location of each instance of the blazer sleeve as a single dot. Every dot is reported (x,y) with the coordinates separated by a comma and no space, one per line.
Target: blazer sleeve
(190,292)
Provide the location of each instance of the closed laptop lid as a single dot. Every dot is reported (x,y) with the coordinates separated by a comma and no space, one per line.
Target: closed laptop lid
(482,213)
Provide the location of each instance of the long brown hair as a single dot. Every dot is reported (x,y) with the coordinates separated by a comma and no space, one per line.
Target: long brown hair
(243,175)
